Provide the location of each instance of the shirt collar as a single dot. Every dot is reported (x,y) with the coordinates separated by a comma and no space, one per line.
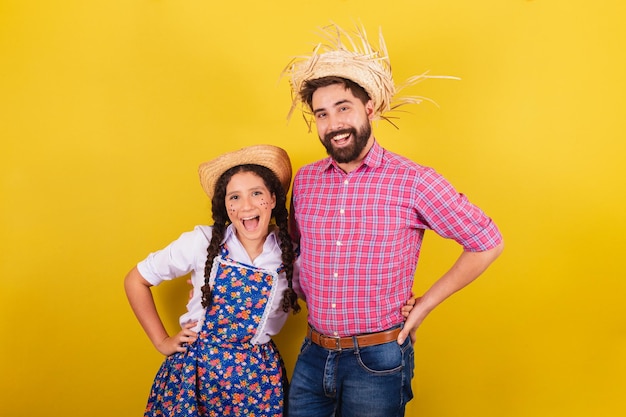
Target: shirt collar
(374,157)
(270,241)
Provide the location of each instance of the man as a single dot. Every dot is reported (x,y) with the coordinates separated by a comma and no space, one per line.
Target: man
(360,216)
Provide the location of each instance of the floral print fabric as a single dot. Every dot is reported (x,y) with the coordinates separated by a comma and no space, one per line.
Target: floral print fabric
(223,373)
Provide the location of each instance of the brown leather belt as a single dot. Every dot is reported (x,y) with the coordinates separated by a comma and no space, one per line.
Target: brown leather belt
(338,343)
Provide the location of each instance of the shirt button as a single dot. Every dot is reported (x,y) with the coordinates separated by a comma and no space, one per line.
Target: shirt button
(333,305)
(342,211)
(345,182)
(338,243)
(335,334)
(335,274)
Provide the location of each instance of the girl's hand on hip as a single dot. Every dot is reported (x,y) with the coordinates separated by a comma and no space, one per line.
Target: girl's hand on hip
(178,342)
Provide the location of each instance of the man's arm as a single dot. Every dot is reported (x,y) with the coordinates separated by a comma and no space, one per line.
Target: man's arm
(466,269)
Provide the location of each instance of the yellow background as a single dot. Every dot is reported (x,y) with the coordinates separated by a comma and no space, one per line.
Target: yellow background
(107,108)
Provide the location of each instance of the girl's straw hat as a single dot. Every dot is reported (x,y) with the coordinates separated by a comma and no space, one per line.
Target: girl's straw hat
(269,156)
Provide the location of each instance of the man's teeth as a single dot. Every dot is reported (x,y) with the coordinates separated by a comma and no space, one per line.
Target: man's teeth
(341,137)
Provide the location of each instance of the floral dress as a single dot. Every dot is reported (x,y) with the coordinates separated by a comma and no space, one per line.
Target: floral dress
(223,373)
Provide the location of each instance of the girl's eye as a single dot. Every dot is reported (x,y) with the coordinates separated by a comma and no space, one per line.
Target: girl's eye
(233,197)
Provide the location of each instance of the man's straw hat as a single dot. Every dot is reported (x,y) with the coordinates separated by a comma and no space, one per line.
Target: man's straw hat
(350,55)
(269,156)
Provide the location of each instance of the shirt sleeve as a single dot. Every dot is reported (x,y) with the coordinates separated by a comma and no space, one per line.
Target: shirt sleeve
(451,215)
(296,278)
(175,260)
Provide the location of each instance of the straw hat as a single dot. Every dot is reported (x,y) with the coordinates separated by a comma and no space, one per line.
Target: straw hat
(269,156)
(350,55)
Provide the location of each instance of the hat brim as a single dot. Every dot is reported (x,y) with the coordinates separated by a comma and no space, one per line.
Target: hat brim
(269,156)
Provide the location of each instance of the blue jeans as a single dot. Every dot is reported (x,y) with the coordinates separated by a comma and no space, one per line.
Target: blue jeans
(372,381)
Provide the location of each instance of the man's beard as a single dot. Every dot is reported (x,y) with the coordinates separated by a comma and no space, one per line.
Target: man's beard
(353,151)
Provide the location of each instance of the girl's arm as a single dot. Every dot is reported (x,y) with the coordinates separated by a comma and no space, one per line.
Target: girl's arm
(141,301)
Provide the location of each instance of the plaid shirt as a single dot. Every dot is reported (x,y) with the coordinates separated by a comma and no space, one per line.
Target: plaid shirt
(360,236)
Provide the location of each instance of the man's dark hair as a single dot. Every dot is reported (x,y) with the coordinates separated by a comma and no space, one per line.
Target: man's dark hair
(306,93)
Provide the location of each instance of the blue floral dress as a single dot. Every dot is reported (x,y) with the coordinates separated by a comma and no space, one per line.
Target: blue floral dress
(223,373)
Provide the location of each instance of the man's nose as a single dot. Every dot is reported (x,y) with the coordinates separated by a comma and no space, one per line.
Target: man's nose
(335,122)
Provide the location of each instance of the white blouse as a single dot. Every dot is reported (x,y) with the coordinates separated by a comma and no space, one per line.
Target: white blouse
(188,254)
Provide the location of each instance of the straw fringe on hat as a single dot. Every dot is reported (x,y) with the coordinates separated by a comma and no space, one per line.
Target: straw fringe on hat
(269,156)
(350,55)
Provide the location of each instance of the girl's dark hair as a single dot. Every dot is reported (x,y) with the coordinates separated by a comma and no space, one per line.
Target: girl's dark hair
(221,222)
(306,93)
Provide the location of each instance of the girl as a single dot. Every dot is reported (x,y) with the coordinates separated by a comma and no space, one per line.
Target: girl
(223,361)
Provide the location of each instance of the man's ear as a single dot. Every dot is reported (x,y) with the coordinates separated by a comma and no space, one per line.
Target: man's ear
(369,109)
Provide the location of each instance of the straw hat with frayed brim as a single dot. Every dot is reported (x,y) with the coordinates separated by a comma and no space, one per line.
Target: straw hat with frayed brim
(269,156)
(350,55)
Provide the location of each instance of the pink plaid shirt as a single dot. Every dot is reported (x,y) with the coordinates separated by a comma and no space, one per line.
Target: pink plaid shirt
(361,233)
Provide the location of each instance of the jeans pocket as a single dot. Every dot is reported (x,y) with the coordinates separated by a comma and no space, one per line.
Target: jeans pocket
(305,345)
(408,354)
(386,358)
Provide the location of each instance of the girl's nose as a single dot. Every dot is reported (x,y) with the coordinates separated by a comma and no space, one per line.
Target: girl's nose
(246,203)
